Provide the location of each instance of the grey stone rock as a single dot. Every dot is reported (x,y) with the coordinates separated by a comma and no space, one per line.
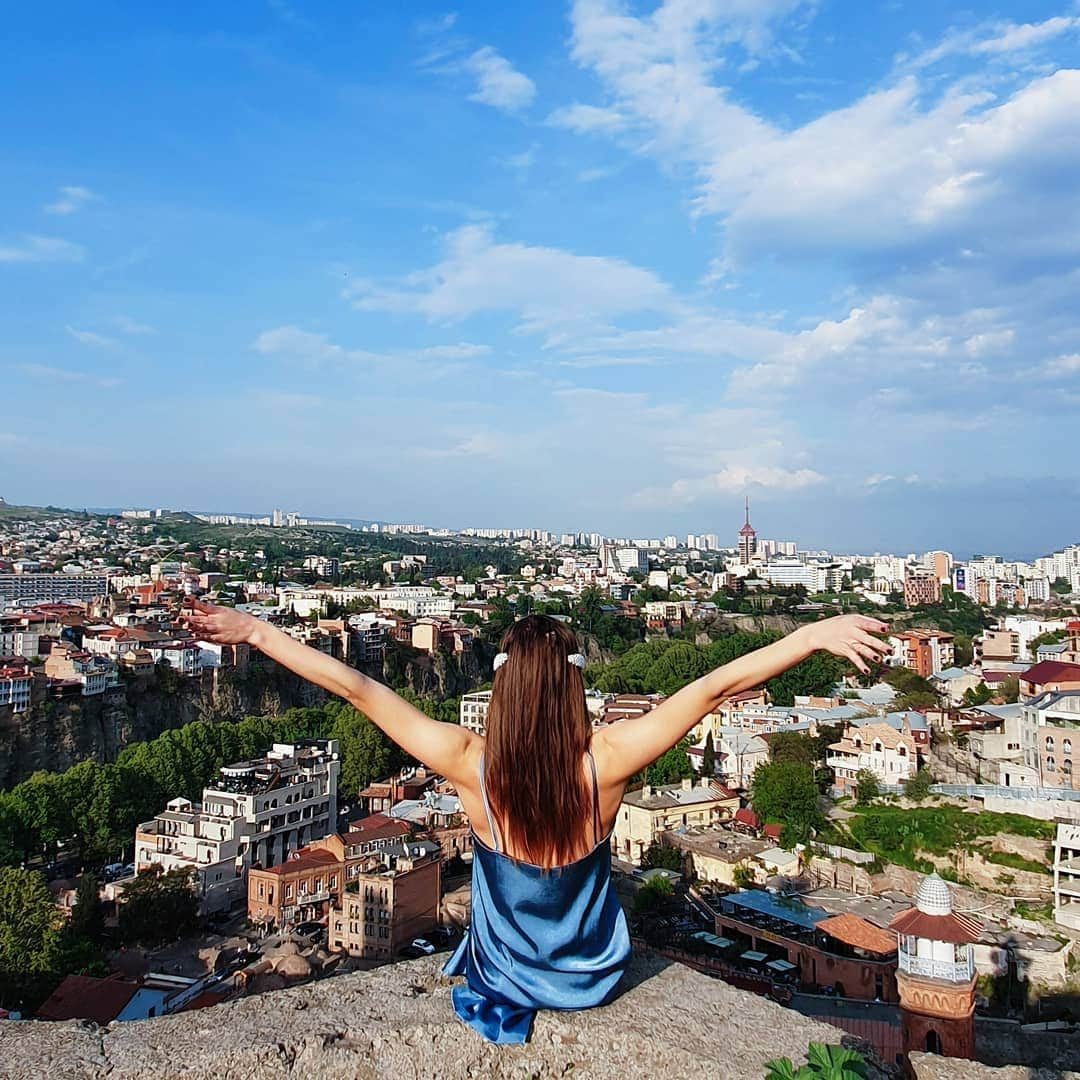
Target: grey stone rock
(397,1021)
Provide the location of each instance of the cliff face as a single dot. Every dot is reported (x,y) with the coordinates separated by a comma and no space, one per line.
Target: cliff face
(55,734)
(397,1021)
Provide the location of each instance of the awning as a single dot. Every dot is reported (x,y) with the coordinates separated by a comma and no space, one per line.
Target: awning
(754,957)
(780,966)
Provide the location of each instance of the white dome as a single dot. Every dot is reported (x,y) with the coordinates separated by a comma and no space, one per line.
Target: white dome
(933,897)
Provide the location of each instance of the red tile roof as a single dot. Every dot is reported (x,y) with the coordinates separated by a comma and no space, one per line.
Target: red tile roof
(746,816)
(304,859)
(955,929)
(859,933)
(82,997)
(1052,671)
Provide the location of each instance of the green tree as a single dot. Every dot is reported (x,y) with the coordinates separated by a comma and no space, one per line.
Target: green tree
(918,786)
(867,786)
(794,746)
(159,906)
(708,757)
(87,920)
(662,856)
(30,939)
(976,695)
(670,767)
(963,650)
(653,895)
(785,792)
(1010,690)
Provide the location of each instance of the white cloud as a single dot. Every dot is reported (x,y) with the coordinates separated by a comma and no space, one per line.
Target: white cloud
(1012,37)
(876,479)
(903,166)
(131,326)
(292,341)
(88,337)
(547,288)
(499,83)
(478,444)
(42,249)
(70,199)
(55,374)
(992,341)
(463,350)
(1062,366)
(733,479)
(586,119)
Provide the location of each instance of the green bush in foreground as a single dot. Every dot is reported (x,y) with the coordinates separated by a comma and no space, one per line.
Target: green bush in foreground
(824,1063)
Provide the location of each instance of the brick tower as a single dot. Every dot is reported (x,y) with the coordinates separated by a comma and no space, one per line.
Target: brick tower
(936,973)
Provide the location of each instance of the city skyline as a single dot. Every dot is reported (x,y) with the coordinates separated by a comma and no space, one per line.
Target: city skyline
(591,266)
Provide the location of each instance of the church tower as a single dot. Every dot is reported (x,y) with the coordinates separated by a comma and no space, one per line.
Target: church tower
(747,539)
(936,973)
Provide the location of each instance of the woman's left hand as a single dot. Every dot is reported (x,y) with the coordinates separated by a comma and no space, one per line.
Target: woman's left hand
(852,637)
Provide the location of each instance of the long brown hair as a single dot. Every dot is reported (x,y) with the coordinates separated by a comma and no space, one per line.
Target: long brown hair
(537,732)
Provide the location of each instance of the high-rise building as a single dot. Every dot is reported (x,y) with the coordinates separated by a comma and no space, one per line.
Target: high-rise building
(747,539)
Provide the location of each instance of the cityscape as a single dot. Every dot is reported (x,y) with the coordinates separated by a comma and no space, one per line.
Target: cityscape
(823,840)
(692,329)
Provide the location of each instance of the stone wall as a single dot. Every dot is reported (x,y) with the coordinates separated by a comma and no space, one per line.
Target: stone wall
(397,1022)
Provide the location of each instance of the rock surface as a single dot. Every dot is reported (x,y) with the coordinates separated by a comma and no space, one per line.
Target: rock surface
(397,1021)
(931,1067)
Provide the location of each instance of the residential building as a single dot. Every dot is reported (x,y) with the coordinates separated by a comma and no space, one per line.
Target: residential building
(631,559)
(714,854)
(431,635)
(1067,876)
(921,587)
(254,814)
(1049,729)
(953,682)
(645,814)
(369,637)
(393,898)
(52,587)
(473,709)
(626,707)
(322,565)
(16,684)
(926,652)
(889,754)
(380,796)
(67,664)
(1049,675)
(996,648)
(300,889)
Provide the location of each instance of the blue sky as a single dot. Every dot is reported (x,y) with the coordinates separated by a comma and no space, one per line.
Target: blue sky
(599,265)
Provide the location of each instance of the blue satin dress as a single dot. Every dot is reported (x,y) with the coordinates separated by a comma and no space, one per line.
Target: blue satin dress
(538,939)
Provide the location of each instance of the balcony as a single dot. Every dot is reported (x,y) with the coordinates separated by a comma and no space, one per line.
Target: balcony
(952,971)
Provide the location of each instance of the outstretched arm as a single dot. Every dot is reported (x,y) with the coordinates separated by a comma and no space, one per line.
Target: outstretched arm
(630,745)
(444,747)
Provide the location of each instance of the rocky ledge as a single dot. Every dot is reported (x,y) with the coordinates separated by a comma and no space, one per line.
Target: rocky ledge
(397,1021)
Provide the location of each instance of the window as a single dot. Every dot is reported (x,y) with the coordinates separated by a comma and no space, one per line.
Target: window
(1066,767)
(1049,764)
(1049,742)
(1066,746)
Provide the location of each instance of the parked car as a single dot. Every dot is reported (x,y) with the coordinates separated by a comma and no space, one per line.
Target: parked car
(441,935)
(411,952)
(425,946)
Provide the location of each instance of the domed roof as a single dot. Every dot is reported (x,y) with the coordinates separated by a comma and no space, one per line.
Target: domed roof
(933,897)
(293,967)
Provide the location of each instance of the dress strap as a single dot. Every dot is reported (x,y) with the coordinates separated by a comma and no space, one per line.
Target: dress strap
(487,806)
(595,800)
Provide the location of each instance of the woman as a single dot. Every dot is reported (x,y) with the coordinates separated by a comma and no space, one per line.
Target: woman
(541,790)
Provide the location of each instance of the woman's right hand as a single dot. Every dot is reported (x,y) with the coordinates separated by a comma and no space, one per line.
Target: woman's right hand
(851,637)
(221,625)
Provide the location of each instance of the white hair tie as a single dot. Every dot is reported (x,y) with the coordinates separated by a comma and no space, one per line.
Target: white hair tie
(577,659)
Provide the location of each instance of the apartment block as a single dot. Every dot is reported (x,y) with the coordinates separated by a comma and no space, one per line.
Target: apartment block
(1067,876)
(16,684)
(926,652)
(52,587)
(921,588)
(393,898)
(255,814)
(473,709)
(891,755)
(644,815)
